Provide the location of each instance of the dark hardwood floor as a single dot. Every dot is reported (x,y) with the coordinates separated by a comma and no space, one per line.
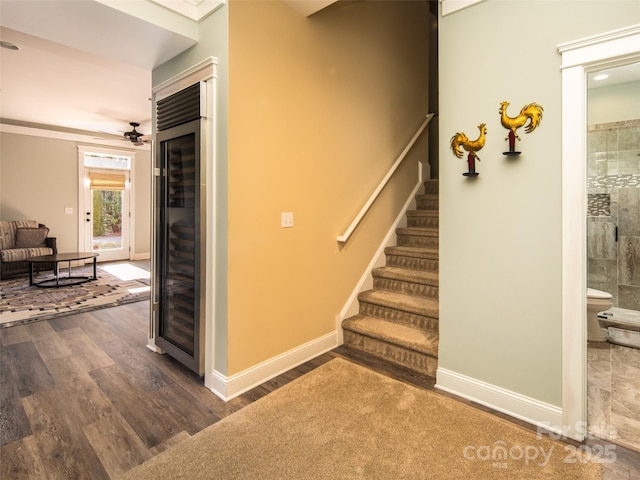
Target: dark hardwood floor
(83,398)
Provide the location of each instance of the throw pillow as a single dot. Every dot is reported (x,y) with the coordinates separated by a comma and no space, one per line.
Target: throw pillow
(31,237)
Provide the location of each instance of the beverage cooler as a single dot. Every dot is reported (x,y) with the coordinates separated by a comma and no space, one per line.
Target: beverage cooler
(178,269)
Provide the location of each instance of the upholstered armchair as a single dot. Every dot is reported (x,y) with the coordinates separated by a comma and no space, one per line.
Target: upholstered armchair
(21,239)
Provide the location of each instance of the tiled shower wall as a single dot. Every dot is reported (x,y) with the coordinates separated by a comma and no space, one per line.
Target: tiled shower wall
(613,189)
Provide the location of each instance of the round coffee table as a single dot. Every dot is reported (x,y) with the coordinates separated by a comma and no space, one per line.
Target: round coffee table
(69,279)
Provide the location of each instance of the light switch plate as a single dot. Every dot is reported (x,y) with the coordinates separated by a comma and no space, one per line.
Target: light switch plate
(286,219)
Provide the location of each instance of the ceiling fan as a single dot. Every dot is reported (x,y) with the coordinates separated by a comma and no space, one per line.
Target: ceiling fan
(132,136)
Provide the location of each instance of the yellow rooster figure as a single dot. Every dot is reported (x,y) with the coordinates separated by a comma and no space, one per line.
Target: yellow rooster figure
(460,141)
(531,112)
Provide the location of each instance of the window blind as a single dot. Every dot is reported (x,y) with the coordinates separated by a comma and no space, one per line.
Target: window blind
(107,181)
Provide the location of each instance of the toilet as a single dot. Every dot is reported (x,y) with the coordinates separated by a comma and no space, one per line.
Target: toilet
(597,301)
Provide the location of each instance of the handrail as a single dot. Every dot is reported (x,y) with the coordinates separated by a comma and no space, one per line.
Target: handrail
(345,236)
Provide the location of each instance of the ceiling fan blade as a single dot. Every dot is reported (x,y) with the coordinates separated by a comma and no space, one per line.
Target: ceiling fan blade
(135,137)
(108,139)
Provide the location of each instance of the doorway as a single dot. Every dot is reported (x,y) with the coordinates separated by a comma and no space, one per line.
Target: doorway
(107,214)
(613,226)
(608,50)
(104,204)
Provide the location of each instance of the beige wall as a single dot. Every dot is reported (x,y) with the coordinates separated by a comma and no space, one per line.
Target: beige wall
(500,264)
(39,179)
(319,108)
(142,190)
(614,104)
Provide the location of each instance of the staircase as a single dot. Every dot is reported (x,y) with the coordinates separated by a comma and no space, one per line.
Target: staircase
(398,318)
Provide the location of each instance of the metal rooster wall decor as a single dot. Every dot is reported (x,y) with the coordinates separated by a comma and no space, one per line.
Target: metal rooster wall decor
(460,141)
(531,113)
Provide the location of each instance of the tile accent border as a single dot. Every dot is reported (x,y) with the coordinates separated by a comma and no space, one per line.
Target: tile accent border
(613,125)
(598,205)
(614,181)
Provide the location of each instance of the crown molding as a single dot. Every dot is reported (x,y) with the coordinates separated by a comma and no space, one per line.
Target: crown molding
(195,10)
(79,136)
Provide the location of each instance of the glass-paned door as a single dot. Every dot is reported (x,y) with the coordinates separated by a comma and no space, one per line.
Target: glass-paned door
(107,213)
(179,254)
(178,269)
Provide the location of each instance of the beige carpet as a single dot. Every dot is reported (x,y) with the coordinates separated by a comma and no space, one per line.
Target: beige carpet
(343,421)
(21,303)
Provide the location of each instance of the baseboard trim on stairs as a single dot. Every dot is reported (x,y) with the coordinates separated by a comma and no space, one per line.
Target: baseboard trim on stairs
(351,307)
(230,387)
(530,410)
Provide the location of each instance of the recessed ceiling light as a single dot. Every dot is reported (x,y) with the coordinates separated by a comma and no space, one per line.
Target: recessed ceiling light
(602,76)
(8,45)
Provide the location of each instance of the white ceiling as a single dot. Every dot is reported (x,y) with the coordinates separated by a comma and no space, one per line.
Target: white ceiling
(615,76)
(85,65)
(81,64)
(51,84)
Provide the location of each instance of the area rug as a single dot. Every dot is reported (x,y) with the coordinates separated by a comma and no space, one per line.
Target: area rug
(21,303)
(343,421)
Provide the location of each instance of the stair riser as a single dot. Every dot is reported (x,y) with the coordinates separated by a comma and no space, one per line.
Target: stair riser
(404,298)
(423,222)
(418,362)
(427,204)
(424,264)
(427,324)
(431,188)
(417,241)
(415,289)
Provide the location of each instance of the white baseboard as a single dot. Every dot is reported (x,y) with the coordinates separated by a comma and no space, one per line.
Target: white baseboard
(229,387)
(154,348)
(541,414)
(141,256)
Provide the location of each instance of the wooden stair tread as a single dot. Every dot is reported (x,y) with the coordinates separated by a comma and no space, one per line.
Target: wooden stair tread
(400,335)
